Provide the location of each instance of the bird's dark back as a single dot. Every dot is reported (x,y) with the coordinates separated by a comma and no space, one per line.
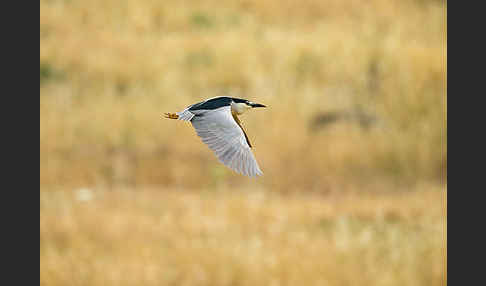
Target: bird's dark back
(215,103)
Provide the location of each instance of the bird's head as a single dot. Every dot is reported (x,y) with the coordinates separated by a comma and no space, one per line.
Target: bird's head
(239,106)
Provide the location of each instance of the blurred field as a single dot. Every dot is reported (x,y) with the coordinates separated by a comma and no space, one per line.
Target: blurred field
(242,237)
(109,69)
(353,144)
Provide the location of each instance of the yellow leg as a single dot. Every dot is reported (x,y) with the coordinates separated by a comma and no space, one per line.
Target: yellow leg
(171,115)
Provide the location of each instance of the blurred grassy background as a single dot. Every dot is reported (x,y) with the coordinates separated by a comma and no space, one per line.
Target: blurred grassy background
(356,119)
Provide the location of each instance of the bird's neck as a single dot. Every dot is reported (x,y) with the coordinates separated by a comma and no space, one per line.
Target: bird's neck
(238,108)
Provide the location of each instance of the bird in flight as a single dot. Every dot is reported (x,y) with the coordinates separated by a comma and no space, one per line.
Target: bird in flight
(216,122)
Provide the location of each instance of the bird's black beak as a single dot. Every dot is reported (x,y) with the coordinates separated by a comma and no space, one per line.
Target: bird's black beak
(257,105)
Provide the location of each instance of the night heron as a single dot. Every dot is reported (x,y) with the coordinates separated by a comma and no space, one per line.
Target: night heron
(216,122)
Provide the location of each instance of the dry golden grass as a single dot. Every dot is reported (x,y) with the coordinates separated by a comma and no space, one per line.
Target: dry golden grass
(339,204)
(242,237)
(109,70)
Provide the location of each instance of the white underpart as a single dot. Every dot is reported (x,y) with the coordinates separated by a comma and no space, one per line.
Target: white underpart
(221,133)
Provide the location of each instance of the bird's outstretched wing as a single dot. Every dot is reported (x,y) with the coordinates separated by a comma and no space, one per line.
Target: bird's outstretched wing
(219,130)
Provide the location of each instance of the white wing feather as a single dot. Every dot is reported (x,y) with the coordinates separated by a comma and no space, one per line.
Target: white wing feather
(221,133)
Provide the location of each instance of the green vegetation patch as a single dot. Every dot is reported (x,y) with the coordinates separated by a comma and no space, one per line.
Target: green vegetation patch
(49,73)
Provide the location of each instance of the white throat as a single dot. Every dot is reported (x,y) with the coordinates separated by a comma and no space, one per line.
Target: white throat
(239,108)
